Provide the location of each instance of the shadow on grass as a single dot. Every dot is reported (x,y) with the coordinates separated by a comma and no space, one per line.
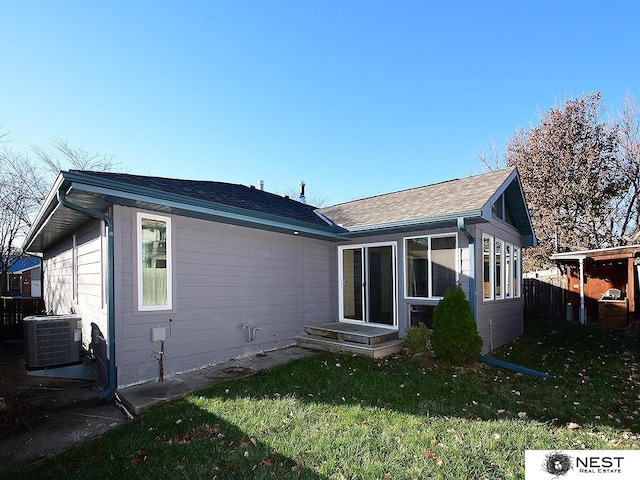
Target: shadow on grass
(596,381)
(174,440)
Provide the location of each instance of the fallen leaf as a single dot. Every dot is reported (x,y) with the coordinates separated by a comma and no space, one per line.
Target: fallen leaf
(267,462)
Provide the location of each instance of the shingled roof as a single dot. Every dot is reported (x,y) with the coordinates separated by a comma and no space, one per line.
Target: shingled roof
(418,208)
(454,198)
(229,194)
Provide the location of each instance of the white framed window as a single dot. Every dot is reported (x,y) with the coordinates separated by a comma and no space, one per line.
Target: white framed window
(487,267)
(430,265)
(501,269)
(154,261)
(517,272)
(508,273)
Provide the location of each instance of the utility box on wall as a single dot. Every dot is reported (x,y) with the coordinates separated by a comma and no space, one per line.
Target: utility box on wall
(158,334)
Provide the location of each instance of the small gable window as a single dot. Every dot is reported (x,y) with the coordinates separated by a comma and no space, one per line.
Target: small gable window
(502,210)
(430,265)
(154,262)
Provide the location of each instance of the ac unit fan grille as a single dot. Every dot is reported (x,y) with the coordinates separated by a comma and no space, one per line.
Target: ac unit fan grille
(52,343)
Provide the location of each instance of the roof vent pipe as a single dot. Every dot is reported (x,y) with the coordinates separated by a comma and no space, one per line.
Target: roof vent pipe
(302,198)
(261,183)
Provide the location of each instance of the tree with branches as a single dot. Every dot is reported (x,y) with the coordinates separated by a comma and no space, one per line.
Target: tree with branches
(25,180)
(628,129)
(569,166)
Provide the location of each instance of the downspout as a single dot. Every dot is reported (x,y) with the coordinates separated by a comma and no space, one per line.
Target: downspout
(111,328)
(472,265)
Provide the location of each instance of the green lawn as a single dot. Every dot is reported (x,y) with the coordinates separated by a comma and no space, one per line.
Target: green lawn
(345,417)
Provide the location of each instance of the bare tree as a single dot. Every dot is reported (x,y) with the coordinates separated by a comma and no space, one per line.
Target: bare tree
(20,197)
(628,129)
(568,165)
(25,180)
(491,160)
(65,157)
(315,198)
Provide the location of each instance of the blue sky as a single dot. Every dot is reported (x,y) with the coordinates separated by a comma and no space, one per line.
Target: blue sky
(355,97)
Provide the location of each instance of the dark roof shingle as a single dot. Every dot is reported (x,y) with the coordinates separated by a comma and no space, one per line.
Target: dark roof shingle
(228,194)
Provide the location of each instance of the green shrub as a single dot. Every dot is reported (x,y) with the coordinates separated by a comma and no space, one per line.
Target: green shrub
(455,336)
(418,340)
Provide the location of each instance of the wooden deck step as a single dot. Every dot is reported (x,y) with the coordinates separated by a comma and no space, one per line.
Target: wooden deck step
(364,340)
(365,334)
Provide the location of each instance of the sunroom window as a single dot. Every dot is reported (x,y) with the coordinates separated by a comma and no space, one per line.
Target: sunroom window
(154,262)
(501,266)
(430,265)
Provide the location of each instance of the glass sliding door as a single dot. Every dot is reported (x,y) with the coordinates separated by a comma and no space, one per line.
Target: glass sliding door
(368,284)
(352,284)
(381,285)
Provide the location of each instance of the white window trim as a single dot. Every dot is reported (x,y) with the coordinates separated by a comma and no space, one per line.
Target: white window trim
(363,247)
(517,272)
(515,269)
(497,242)
(429,267)
(492,283)
(169,250)
(508,272)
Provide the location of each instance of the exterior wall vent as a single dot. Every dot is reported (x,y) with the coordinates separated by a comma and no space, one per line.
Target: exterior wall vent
(52,341)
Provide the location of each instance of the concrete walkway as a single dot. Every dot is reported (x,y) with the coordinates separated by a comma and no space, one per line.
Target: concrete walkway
(138,398)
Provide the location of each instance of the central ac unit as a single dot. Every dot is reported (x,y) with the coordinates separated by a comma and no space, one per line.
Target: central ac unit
(52,341)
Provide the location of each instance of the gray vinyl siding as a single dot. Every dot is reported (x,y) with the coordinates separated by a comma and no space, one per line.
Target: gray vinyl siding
(499,321)
(58,280)
(225,276)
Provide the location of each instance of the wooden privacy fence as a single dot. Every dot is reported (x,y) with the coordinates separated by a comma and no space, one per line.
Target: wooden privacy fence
(543,299)
(12,311)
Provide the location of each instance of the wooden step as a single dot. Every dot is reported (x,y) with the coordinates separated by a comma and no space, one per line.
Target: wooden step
(378,350)
(353,333)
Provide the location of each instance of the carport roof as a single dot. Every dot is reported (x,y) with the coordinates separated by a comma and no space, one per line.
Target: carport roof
(627,251)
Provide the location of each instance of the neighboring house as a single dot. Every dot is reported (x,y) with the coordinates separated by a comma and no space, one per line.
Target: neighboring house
(220,270)
(591,274)
(23,278)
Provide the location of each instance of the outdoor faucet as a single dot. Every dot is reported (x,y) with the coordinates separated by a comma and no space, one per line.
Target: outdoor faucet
(251,336)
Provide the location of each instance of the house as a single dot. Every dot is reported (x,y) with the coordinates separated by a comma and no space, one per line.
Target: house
(602,284)
(211,270)
(23,277)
